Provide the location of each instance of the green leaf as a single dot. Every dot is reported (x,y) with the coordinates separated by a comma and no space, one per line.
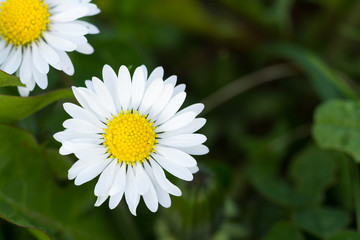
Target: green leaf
(31,196)
(304,171)
(283,231)
(14,108)
(337,126)
(345,235)
(274,188)
(309,182)
(325,82)
(9,80)
(322,222)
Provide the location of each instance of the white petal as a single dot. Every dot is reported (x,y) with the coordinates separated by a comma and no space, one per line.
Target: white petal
(81,126)
(104,94)
(124,87)
(176,156)
(156,73)
(161,179)
(77,40)
(145,71)
(91,172)
(106,179)
(40,79)
(100,200)
(196,150)
(71,147)
(2,43)
(141,179)
(179,89)
(138,87)
(80,113)
(175,169)
(23,91)
(119,181)
(67,65)
(131,195)
(94,103)
(92,29)
(41,65)
(184,140)
(26,67)
(5,53)
(49,54)
(14,61)
(162,195)
(115,200)
(70,15)
(69,28)
(177,122)
(89,85)
(162,101)
(192,127)
(150,198)
(111,81)
(80,165)
(85,49)
(92,153)
(196,108)
(194,170)
(171,80)
(152,93)
(59,43)
(68,135)
(171,108)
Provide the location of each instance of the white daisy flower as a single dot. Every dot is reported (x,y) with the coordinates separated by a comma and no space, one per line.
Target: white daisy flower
(37,33)
(128,129)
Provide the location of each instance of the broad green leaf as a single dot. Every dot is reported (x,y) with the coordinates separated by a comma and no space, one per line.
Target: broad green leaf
(9,80)
(304,171)
(345,235)
(325,82)
(322,222)
(309,183)
(32,196)
(14,108)
(337,126)
(274,188)
(283,231)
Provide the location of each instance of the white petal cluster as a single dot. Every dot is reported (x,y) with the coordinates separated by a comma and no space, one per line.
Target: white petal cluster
(160,100)
(65,33)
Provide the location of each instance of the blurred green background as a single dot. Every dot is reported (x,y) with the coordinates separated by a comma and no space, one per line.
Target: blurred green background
(262,68)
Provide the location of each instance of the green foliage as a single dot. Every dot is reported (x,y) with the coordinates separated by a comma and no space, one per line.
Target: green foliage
(345,235)
(309,183)
(337,127)
(13,108)
(283,231)
(283,146)
(322,222)
(325,82)
(9,80)
(30,196)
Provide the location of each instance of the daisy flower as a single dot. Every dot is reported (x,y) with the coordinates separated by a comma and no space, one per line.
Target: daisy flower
(37,33)
(128,130)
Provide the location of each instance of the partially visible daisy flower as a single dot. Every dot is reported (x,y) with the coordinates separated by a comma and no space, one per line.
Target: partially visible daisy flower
(37,33)
(127,130)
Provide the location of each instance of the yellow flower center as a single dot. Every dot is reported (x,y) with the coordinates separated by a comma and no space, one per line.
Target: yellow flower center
(23,21)
(130,137)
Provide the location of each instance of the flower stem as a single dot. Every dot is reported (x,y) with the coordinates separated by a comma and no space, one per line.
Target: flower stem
(247,82)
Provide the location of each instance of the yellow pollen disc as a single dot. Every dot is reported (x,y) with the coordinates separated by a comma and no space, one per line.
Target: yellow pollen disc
(130,137)
(23,21)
